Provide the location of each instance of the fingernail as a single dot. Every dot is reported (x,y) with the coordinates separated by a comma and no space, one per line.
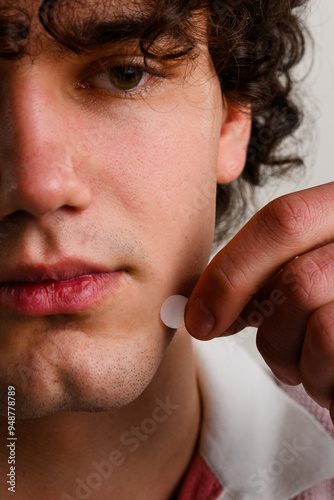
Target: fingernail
(200,319)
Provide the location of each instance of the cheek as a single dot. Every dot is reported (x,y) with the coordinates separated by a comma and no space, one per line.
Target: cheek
(161,173)
(153,173)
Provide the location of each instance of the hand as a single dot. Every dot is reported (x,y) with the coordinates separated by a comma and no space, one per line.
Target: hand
(277,274)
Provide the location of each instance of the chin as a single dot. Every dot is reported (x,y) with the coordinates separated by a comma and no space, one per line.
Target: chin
(82,376)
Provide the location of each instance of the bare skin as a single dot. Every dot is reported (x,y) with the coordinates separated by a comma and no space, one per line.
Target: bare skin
(74,453)
(90,175)
(257,280)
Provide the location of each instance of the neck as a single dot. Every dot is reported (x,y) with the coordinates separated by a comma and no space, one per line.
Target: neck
(141,451)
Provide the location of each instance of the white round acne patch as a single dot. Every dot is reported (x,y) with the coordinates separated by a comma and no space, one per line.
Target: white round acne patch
(172,311)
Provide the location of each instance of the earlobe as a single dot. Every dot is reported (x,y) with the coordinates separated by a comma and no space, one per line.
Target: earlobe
(234,139)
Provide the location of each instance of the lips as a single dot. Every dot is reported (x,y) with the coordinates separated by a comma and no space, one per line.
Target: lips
(66,288)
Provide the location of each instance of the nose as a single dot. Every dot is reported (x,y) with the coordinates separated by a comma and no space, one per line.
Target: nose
(39,172)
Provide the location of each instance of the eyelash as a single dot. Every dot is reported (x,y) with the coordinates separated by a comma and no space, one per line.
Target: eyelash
(140,91)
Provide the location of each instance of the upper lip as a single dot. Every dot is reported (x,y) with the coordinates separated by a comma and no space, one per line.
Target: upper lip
(62,271)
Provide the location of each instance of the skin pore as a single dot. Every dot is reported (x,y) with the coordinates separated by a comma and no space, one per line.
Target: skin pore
(108,178)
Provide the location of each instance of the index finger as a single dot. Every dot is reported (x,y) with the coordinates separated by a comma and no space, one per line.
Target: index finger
(287,227)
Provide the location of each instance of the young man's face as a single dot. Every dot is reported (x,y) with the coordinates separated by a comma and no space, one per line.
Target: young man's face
(95,179)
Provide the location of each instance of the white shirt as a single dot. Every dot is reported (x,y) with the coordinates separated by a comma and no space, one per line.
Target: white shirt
(257,441)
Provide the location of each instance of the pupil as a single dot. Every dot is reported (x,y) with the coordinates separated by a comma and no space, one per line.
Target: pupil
(126,77)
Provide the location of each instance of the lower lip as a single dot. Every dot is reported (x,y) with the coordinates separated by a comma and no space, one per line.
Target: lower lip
(58,297)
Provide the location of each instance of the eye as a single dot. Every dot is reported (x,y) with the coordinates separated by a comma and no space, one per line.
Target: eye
(122,78)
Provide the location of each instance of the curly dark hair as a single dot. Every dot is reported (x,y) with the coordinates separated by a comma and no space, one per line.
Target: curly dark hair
(254,44)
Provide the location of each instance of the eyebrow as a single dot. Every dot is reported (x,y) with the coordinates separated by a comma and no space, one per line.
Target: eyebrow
(82,35)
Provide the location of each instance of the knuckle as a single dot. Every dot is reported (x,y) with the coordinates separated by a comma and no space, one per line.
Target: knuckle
(288,218)
(308,281)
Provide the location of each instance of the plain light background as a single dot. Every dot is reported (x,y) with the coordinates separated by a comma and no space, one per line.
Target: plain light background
(321,83)
(318,92)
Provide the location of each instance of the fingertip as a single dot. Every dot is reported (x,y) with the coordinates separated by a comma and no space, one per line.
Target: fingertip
(292,380)
(199,320)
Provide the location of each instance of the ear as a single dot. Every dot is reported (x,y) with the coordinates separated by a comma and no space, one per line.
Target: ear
(234,139)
